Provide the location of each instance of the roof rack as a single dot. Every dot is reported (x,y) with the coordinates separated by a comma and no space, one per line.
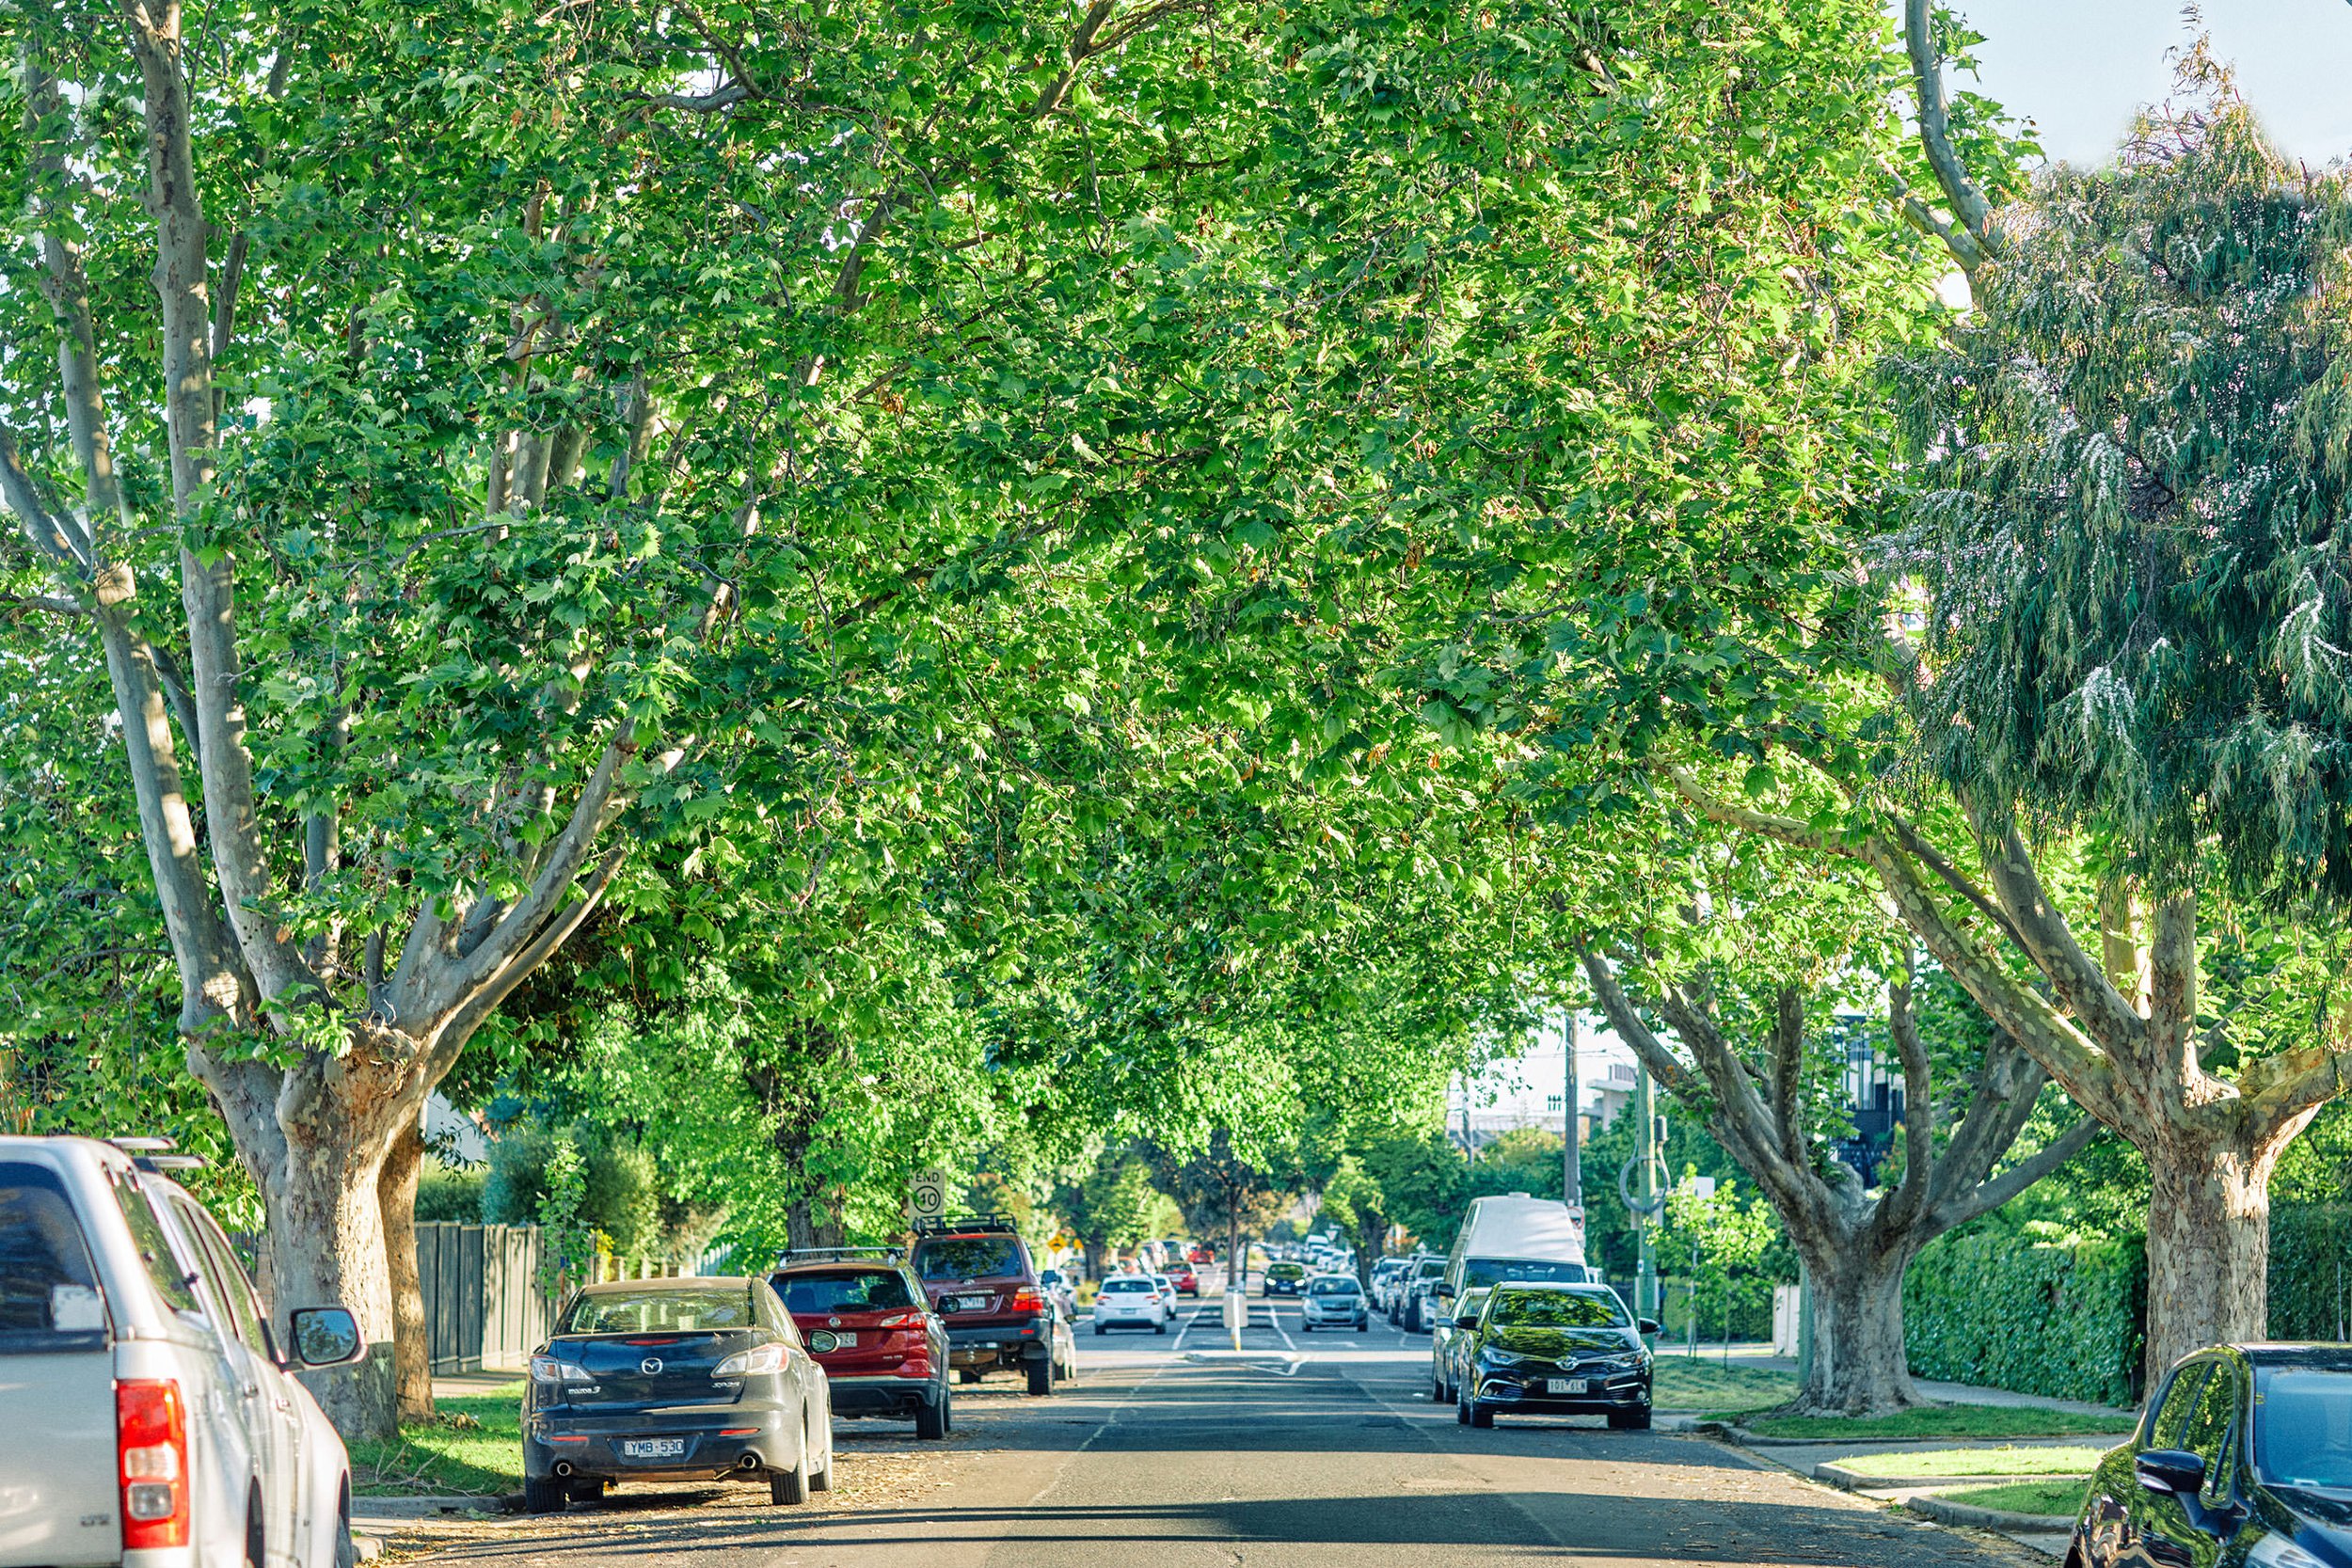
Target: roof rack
(969,1223)
(836,1254)
(143,1146)
(153,1156)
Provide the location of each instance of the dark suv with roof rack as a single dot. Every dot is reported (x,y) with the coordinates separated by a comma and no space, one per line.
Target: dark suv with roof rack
(871,1326)
(984,1287)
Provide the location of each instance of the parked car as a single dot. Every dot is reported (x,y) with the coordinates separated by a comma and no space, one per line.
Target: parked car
(999,1318)
(1200,1253)
(1283,1279)
(156,1420)
(1447,1367)
(1168,1293)
(2244,1457)
(1130,1301)
(1334,1300)
(1060,1289)
(1384,1276)
(1186,1282)
(866,1319)
(1555,1350)
(1413,1298)
(1512,1237)
(681,1378)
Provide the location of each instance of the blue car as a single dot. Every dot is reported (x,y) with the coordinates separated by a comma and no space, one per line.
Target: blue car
(2242,1459)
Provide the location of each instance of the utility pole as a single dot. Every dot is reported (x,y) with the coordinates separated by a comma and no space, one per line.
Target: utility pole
(1645,1109)
(1572,1167)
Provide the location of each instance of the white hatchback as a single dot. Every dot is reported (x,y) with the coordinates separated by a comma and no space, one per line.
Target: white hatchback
(1131,1301)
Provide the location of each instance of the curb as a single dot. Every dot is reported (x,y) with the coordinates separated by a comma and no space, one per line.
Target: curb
(1945,1511)
(1747,1439)
(393,1510)
(1832,1473)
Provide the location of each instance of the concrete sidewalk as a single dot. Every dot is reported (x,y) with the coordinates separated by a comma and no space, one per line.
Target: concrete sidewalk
(458,1386)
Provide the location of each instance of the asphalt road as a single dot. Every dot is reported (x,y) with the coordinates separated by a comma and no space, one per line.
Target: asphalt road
(1315,1451)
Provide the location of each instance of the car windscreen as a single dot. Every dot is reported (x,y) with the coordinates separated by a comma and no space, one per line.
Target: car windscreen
(1557,1309)
(1286,1271)
(968,1258)
(672,1311)
(1430,1267)
(2303,1427)
(1333,1288)
(1126,1287)
(1504,1271)
(48,1296)
(866,1290)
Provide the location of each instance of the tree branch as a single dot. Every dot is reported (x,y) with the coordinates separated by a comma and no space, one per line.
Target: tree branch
(1961,194)
(1988,1196)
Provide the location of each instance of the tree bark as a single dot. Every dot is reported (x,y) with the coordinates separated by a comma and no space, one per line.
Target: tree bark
(1859,1365)
(327,1248)
(412,1363)
(2208,1248)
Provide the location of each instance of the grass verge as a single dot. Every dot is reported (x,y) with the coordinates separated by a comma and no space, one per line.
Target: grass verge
(1943,1420)
(1679,1383)
(473,1447)
(2054,1498)
(2004,1461)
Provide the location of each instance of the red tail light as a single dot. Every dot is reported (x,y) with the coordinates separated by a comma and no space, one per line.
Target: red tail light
(1026,1300)
(898,1319)
(151,1448)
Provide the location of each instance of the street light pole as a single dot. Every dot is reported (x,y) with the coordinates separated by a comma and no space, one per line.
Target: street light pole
(1645,1109)
(1572,1165)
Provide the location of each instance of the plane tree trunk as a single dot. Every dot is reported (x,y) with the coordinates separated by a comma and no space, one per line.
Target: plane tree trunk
(1856,1243)
(396,1200)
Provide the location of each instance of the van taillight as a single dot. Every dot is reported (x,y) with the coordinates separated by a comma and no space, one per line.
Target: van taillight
(151,1444)
(1026,1300)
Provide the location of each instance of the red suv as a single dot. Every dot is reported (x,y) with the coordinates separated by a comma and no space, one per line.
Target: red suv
(867,1325)
(983,1284)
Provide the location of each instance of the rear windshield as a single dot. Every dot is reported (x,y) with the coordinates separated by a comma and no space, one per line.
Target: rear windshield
(1332,1288)
(1557,1309)
(1125,1286)
(866,1290)
(1502,1271)
(1430,1268)
(968,1258)
(669,1311)
(48,1290)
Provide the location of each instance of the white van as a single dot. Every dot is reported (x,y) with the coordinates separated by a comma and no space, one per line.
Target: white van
(1514,1237)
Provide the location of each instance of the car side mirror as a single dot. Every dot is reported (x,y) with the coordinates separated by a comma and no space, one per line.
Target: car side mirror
(2169,1470)
(1646,1326)
(1467,1319)
(325,1336)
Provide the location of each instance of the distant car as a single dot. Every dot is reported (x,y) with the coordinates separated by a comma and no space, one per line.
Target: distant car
(1284,1279)
(155,1421)
(2244,1458)
(1384,1276)
(1130,1301)
(675,1380)
(1411,1312)
(1335,1300)
(1060,1288)
(981,1283)
(1186,1282)
(1201,1253)
(866,1319)
(1564,1350)
(1168,1293)
(1446,1347)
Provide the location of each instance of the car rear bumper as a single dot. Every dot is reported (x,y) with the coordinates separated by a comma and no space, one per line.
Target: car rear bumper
(997,1344)
(560,1446)
(880,1395)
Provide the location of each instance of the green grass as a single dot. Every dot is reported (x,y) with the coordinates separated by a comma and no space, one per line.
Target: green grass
(1943,1420)
(2006,1461)
(474,1448)
(1683,1383)
(2052,1498)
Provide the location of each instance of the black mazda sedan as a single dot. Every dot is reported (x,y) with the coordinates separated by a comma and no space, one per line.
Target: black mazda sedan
(675,1380)
(2243,1460)
(1555,1350)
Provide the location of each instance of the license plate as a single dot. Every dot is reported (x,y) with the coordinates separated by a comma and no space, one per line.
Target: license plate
(1564,1385)
(967,1303)
(844,1337)
(654,1448)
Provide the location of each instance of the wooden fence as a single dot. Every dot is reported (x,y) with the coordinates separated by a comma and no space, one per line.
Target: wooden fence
(485,1306)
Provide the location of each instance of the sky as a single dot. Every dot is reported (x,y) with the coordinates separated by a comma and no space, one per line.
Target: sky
(2079,68)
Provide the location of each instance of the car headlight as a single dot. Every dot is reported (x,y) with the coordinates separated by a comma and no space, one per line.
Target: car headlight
(1494,1357)
(546,1369)
(2276,1551)
(751,1363)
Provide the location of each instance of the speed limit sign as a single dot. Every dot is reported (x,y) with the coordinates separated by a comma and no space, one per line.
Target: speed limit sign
(928,1200)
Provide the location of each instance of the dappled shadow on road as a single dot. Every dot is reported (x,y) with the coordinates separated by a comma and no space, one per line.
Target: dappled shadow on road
(1597,1527)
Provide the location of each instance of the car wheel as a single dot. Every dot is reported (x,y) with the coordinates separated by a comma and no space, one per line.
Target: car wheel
(1305,1328)
(1461,1412)
(821,1479)
(1629,1420)
(791,1487)
(346,1550)
(1363,1325)
(1479,1415)
(585,1492)
(542,1496)
(967,1374)
(1101,1329)
(930,1418)
(1040,1378)
(1160,1327)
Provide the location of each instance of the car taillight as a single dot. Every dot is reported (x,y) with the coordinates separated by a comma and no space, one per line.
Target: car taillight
(1026,1300)
(900,1320)
(151,1441)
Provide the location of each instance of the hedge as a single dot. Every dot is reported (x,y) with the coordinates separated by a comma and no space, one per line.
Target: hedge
(2311,1286)
(1999,1309)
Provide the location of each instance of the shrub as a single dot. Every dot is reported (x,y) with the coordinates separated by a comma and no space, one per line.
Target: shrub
(1998,1308)
(2310,1288)
(447,1193)
(619,1195)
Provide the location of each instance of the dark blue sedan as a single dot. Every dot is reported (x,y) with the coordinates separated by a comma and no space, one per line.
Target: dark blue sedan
(2243,1460)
